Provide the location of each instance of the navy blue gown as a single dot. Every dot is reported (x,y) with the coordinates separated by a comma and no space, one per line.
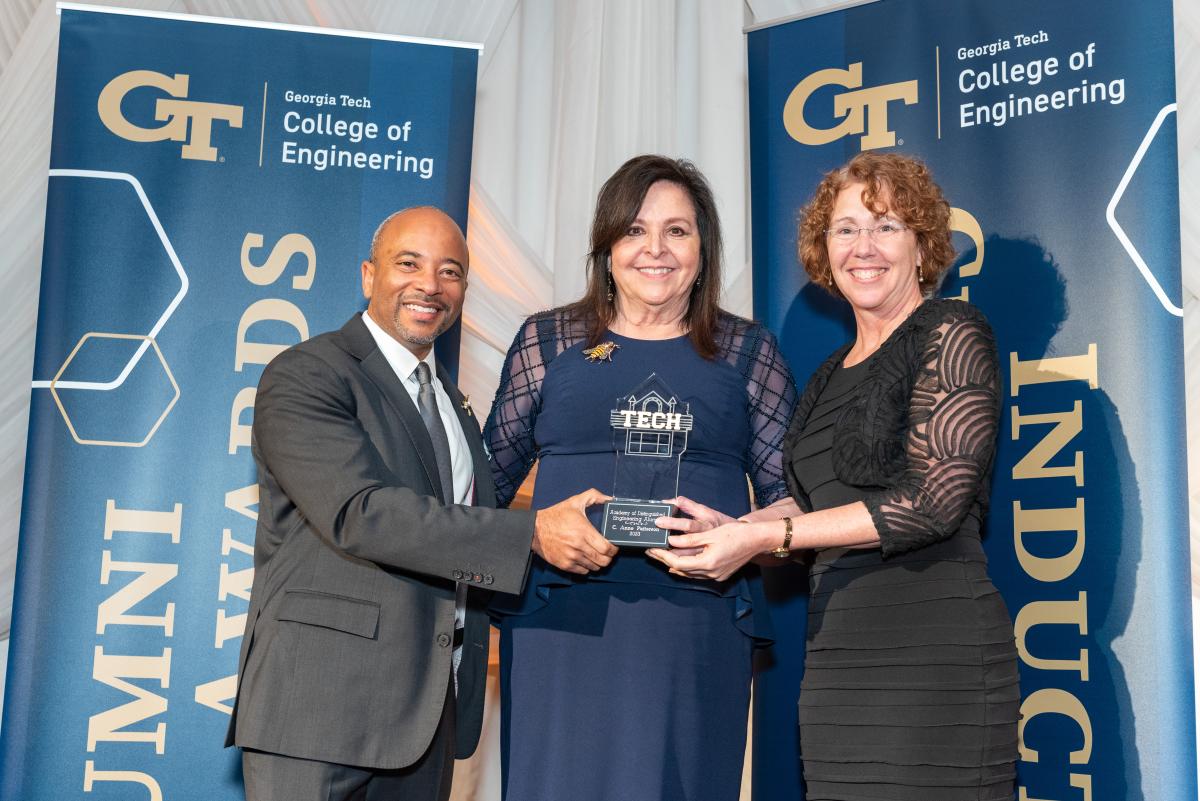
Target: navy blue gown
(630,683)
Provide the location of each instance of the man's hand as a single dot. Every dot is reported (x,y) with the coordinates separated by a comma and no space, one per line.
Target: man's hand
(563,536)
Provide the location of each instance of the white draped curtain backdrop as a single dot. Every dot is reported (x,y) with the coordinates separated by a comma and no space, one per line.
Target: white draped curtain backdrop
(568,89)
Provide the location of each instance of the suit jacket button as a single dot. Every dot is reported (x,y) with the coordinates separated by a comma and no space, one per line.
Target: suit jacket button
(443,640)
(478,578)
(458,574)
(488,579)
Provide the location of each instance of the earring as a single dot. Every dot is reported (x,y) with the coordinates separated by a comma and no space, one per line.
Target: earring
(920,274)
(697,284)
(610,285)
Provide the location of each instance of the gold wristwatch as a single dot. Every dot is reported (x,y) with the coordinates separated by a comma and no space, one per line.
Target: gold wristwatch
(785,550)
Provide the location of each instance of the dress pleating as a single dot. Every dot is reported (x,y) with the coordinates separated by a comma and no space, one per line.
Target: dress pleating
(910,687)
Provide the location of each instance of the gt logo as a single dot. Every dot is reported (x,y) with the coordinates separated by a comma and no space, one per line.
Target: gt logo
(173,111)
(863,110)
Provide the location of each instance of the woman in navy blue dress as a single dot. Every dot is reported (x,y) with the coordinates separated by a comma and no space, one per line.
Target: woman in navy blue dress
(630,683)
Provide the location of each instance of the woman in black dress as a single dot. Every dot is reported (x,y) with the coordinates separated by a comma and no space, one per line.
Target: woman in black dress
(910,687)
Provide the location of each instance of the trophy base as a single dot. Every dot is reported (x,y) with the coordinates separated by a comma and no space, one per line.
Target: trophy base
(630,523)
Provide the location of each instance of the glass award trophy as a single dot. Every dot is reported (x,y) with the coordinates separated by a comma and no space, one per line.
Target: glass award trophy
(650,433)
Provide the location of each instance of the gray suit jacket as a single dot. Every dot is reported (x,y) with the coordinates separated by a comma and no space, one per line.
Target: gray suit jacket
(348,643)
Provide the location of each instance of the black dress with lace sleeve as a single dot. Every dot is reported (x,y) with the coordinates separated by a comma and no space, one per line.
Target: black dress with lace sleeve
(910,686)
(919,433)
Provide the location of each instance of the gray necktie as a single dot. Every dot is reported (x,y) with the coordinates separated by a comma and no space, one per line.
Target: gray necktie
(427,403)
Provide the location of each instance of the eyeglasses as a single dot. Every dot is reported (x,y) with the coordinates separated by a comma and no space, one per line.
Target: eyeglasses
(880,233)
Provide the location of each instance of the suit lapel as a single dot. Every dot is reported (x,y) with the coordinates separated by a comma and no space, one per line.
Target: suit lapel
(360,343)
(485,489)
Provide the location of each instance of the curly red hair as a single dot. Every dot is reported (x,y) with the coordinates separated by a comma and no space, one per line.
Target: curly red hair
(893,184)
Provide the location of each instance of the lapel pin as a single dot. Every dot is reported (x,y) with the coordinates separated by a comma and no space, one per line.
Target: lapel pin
(602,352)
(466,406)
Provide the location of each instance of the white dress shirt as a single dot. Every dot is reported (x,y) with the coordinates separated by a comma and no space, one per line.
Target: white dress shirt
(404,364)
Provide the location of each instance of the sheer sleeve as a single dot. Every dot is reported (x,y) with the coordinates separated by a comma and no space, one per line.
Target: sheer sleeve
(771,400)
(508,433)
(953,415)
(772,395)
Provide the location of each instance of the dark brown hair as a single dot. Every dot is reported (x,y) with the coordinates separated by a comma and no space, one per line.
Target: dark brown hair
(617,206)
(896,184)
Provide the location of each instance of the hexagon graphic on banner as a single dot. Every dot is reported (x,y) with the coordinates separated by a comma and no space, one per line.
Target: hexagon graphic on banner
(98,423)
(107,389)
(1123,236)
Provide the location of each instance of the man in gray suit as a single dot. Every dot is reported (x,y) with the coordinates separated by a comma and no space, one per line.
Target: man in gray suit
(364,660)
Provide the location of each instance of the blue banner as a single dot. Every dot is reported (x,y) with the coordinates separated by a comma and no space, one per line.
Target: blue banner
(1051,128)
(213,190)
